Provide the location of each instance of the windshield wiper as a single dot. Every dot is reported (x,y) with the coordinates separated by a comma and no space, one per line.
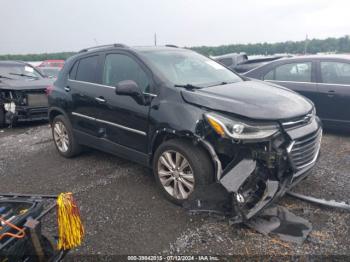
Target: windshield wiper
(15,74)
(188,86)
(6,77)
(221,83)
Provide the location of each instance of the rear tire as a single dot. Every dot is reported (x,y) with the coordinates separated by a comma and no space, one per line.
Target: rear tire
(63,137)
(2,117)
(177,180)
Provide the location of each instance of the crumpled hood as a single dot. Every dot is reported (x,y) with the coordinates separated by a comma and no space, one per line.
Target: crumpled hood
(25,84)
(252,99)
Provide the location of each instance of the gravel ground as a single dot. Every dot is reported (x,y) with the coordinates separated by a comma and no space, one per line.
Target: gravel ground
(124,213)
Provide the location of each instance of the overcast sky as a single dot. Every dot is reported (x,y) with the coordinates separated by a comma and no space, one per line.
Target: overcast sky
(38,26)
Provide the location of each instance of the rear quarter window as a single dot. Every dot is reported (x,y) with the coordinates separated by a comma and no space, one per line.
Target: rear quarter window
(73,70)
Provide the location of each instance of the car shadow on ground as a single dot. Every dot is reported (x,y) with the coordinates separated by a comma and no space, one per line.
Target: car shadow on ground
(337,132)
(21,127)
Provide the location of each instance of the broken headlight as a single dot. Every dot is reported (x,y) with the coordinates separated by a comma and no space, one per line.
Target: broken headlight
(238,129)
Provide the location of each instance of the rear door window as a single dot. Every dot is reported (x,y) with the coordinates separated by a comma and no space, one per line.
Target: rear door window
(87,69)
(335,73)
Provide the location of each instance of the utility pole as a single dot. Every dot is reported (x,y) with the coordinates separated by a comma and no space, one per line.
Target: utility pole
(155,39)
(306,43)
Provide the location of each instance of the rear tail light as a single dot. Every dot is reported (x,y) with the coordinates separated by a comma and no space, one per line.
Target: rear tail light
(48,90)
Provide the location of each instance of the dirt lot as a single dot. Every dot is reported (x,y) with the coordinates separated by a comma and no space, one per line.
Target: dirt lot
(125,214)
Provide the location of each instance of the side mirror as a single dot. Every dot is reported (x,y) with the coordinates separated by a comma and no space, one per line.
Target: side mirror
(128,88)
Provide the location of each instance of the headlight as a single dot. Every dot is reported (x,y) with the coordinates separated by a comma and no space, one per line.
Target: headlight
(237,129)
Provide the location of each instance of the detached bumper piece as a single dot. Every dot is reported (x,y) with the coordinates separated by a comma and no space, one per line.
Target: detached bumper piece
(324,202)
(278,221)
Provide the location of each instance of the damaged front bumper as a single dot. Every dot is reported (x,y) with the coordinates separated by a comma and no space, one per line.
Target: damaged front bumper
(21,106)
(24,113)
(262,174)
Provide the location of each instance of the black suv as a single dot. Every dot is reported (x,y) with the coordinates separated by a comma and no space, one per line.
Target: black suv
(190,119)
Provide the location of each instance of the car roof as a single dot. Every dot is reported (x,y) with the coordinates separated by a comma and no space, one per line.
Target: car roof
(230,55)
(12,63)
(132,48)
(318,56)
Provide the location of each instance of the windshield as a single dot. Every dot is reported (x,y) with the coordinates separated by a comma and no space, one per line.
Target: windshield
(189,68)
(19,72)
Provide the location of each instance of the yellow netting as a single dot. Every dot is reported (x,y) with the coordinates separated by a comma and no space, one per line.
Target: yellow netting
(70,227)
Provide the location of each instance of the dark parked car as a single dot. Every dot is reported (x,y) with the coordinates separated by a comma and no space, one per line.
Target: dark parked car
(241,63)
(324,79)
(22,93)
(198,125)
(252,63)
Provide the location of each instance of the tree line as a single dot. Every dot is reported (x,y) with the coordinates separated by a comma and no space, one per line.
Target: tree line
(38,57)
(313,46)
(332,45)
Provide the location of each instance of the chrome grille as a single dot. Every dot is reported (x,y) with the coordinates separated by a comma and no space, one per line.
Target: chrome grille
(304,150)
(298,122)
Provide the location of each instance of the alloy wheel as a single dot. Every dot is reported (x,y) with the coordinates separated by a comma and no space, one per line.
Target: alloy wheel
(175,174)
(60,135)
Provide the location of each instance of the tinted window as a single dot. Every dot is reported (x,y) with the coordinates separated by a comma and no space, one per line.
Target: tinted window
(296,72)
(73,71)
(335,73)
(226,61)
(121,67)
(87,69)
(269,75)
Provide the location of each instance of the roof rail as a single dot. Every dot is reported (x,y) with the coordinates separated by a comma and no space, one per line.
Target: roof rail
(175,46)
(101,46)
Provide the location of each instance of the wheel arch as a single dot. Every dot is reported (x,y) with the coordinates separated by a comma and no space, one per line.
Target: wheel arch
(166,134)
(55,111)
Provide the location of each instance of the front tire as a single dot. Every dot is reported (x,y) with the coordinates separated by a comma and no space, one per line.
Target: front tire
(179,167)
(63,137)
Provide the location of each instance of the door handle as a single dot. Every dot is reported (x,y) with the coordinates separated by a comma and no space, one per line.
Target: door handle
(331,93)
(100,99)
(67,88)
